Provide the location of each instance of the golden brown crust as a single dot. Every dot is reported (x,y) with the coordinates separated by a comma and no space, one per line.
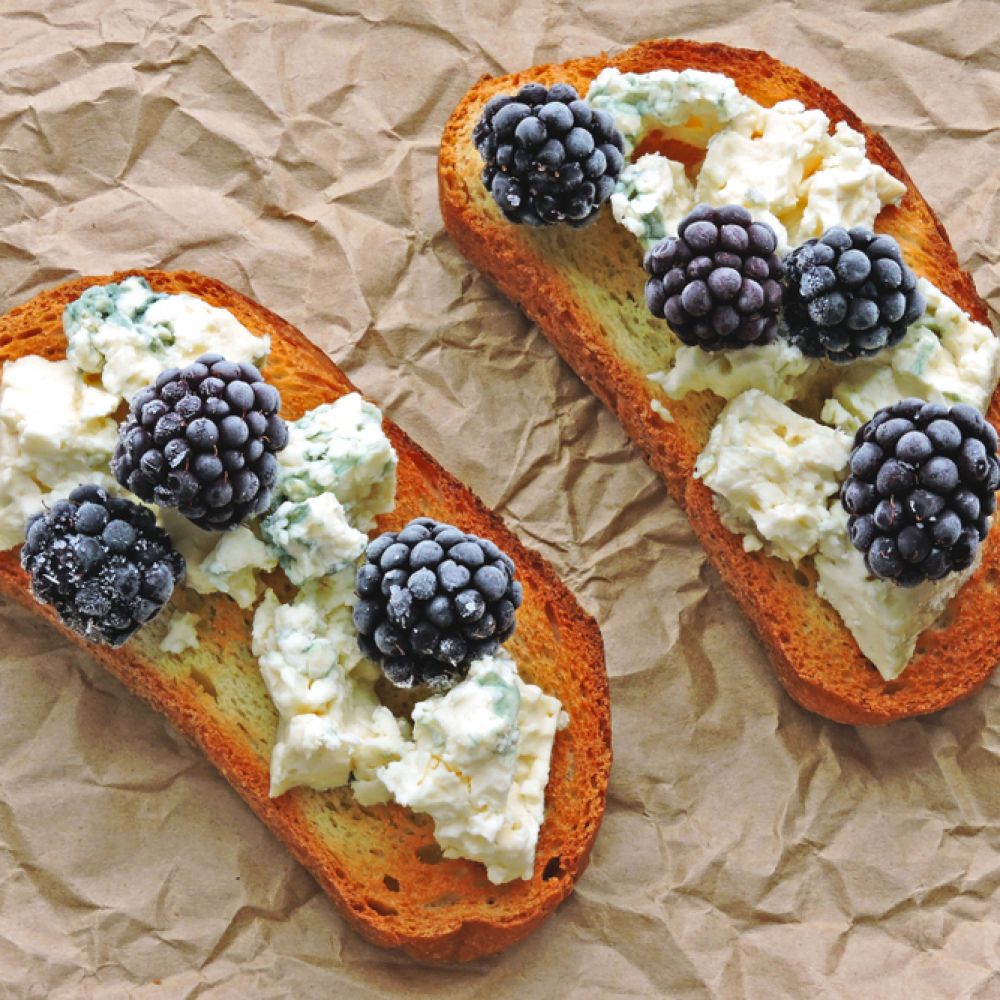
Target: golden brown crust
(380,865)
(816,658)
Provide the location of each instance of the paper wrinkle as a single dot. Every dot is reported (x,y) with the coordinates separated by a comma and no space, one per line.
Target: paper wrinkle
(749,849)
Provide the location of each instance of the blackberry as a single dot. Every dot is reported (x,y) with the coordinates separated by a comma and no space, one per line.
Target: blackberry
(102,563)
(431,600)
(548,155)
(921,489)
(203,439)
(849,294)
(717,282)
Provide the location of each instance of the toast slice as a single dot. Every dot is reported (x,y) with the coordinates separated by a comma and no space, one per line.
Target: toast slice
(585,290)
(380,865)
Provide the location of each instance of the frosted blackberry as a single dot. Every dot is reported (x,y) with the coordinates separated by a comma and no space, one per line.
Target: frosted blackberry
(717,282)
(921,489)
(102,563)
(849,294)
(431,600)
(548,155)
(203,439)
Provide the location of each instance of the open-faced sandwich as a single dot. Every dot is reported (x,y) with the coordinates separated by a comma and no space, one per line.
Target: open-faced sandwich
(748,278)
(411,700)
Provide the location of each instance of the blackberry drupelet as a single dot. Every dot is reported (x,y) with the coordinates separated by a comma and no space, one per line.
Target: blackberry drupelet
(102,563)
(431,600)
(849,294)
(717,282)
(548,155)
(203,439)
(921,490)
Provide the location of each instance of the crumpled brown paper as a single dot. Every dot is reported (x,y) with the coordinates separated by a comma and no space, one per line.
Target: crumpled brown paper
(749,849)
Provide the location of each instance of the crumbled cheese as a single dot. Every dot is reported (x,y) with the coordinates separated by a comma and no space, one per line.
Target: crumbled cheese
(340,448)
(181,634)
(782,163)
(479,764)
(776,472)
(313,537)
(56,432)
(128,334)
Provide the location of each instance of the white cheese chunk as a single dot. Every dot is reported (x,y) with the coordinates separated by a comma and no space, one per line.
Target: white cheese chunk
(128,334)
(340,448)
(885,619)
(220,562)
(331,722)
(775,471)
(782,163)
(181,634)
(651,197)
(479,764)
(779,369)
(313,537)
(56,432)
(945,357)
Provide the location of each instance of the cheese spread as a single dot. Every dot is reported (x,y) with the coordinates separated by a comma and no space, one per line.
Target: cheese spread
(779,369)
(55,433)
(782,163)
(128,334)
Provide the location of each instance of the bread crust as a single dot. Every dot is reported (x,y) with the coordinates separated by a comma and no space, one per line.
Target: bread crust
(814,654)
(380,865)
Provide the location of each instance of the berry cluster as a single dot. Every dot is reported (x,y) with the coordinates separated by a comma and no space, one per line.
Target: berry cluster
(849,294)
(921,489)
(548,156)
(203,439)
(431,600)
(102,563)
(717,281)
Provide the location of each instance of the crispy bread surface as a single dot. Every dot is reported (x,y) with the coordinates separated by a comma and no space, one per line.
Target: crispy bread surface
(380,865)
(584,288)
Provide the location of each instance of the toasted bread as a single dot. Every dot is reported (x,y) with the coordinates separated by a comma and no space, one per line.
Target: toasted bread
(380,865)
(584,288)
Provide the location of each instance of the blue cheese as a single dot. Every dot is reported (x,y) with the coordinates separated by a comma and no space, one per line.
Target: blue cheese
(696,104)
(55,433)
(945,357)
(782,163)
(773,473)
(478,765)
(340,448)
(220,562)
(779,369)
(128,334)
(181,634)
(886,620)
(478,758)
(313,537)
(651,197)
(332,729)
